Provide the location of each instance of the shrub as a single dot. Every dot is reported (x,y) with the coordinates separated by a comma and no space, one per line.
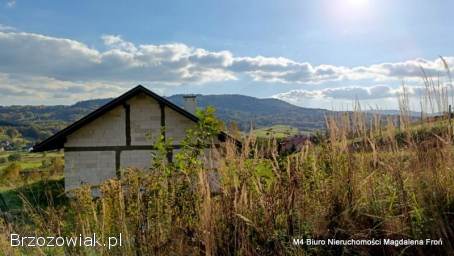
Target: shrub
(14,157)
(30,132)
(12,133)
(3,160)
(45,163)
(11,173)
(56,166)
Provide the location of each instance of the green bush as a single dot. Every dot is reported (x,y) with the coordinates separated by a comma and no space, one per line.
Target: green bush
(3,160)
(45,163)
(12,133)
(14,157)
(11,173)
(56,166)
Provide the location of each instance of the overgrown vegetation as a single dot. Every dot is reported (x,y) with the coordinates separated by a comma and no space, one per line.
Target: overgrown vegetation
(24,171)
(29,161)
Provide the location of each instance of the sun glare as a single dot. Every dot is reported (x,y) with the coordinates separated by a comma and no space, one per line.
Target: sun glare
(357,3)
(350,16)
(348,12)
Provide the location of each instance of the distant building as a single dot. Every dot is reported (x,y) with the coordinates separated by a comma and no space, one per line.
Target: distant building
(120,134)
(5,145)
(294,143)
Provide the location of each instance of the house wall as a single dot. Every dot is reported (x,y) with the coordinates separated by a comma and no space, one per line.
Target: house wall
(106,130)
(140,159)
(145,120)
(93,167)
(98,150)
(88,168)
(176,126)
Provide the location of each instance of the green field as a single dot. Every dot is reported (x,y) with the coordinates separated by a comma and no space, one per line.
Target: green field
(35,177)
(276,131)
(28,160)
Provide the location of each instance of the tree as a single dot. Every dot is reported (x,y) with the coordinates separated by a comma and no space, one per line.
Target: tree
(14,157)
(31,132)
(198,139)
(12,133)
(11,173)
(57,165)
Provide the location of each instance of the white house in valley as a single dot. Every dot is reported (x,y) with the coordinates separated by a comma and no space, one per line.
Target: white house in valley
(120,134)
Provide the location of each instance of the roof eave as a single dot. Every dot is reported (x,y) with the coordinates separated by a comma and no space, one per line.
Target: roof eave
(57,140)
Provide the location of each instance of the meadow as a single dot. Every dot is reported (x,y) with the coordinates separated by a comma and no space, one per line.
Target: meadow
(24,173)
(394,183)
(28,161)
(276,131)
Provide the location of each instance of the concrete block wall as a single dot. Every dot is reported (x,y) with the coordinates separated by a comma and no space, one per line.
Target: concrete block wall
(106,130)
(140,159)
(177,125)
(145,120)
(88,167)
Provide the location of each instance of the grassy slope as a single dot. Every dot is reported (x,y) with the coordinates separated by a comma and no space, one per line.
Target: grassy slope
(28,160)
(33,190)
(394,191)
(276,131)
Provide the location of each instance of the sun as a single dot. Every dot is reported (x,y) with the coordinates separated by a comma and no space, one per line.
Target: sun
(357,3)
(348,15)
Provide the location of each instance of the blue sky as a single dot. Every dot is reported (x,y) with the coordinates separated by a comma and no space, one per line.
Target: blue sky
(321,53)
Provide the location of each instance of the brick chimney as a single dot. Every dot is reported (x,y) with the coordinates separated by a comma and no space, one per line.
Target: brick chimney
(190,103)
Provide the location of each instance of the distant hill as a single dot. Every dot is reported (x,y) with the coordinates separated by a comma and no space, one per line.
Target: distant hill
(397,112)
(247,111)
(37,122)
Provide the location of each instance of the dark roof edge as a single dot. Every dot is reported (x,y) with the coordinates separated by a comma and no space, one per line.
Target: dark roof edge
(57,140)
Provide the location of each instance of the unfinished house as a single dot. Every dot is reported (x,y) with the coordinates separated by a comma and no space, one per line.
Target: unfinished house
(120,134)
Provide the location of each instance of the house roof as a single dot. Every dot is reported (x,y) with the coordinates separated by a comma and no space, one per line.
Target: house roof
(58,140)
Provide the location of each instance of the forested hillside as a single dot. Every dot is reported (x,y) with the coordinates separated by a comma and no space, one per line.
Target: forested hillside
(245,110)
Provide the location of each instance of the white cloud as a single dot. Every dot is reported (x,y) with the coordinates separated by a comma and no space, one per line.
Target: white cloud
(176,63)
(382,96)
(11,3)
(116,42)
(347,93)
(66,63)
(64,59)
(40,89)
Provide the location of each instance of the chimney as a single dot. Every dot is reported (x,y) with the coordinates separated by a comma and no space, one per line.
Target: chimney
(190,103)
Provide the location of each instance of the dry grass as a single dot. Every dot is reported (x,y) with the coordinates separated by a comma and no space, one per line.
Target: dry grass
(330,190)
